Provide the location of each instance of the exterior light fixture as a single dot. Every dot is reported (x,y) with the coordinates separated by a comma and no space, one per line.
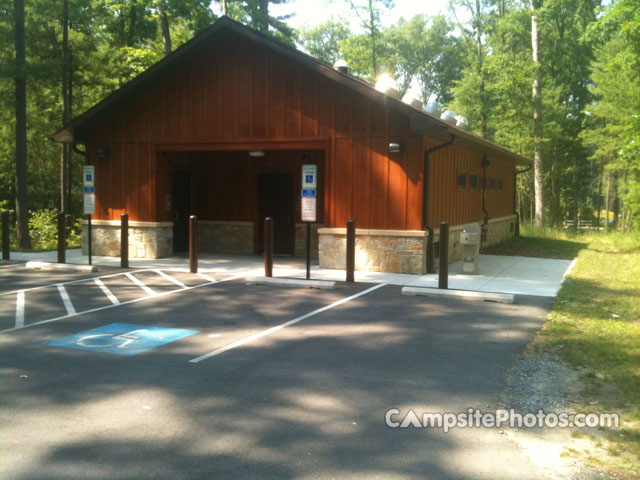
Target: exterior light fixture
(395,147)
(256,153)
(102,153)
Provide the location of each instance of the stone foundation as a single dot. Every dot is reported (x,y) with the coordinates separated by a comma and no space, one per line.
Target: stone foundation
(393,251)
(231,237)
(301,240)
(146,239)
(399,251)
(498,230)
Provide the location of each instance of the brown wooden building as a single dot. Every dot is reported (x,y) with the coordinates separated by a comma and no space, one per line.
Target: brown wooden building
(221,127)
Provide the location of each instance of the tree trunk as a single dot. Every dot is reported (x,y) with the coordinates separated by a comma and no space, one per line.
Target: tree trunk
(599,207)
(616,200)
(263,16)
(537,118)
(164,28)
(64,156)
(479,53)
(372,35)
(22,197)
(606,203)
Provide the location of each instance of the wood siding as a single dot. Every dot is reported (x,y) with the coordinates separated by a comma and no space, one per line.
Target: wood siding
(241,95)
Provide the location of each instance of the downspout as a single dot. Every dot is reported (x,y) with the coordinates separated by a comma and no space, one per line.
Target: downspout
(515,210)
(485,180)
(425,201)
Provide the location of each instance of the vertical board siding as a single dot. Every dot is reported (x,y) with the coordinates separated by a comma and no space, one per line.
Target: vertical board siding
(239,91)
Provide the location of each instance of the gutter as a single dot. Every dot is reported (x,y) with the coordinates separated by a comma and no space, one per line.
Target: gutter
(485,180)
(425,200)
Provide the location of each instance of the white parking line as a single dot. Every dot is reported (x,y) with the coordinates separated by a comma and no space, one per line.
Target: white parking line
(20,310)
(234,277)
(171,279)
(206,277)
(106,291)
(271,330)
(140,284)
(85,279)
(66,300)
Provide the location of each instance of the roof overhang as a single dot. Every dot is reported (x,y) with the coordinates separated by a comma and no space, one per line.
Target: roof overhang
(420,123)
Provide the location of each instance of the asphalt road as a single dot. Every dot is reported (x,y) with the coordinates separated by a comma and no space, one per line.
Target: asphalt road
(304,401)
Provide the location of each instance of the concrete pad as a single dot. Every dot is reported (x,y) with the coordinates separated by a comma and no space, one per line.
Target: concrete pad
(64,267)
(290,282)
(465,294)
(498,273)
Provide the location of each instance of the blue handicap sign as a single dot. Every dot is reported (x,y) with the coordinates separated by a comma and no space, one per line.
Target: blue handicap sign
(308,179)
(89,190)
(308,192)
(122,338)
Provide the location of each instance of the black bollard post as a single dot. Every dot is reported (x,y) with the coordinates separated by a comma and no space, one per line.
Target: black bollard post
(268,247)
(6,253)
(443,272)
(351,250)
(124,240)
(193,244)
(62,237)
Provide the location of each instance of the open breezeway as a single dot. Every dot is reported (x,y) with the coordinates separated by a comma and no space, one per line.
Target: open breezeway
(302,393)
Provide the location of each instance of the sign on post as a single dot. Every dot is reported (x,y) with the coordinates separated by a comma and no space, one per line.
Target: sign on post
(88,182)
(309,176)
(308,209)
(309,192)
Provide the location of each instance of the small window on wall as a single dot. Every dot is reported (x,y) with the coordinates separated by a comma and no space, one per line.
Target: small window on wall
(462,180)
(473,181)
(492,184)
(500,184)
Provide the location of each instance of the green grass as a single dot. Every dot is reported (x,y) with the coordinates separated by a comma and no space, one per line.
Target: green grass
(595,327)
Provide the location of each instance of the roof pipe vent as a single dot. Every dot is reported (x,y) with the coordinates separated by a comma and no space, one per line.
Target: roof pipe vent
(387,85)
(462,122)
(449,116)
(433,108)
(412,99)
(341,66)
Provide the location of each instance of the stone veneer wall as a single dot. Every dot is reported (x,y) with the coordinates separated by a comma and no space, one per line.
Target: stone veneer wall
(222,236)
(394,251)
(499,230)
(146,239)
(399,251)
(300,250)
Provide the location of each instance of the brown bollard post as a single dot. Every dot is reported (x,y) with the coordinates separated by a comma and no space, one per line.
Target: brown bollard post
(5,236)
(351,250)
(268,247)
(443,271)
(193,244)
(62,237)
(124,240)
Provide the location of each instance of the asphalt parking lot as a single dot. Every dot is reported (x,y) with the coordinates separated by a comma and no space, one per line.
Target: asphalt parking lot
(175,375)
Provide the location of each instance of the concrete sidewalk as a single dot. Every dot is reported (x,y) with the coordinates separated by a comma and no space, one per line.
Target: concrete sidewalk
(501,274)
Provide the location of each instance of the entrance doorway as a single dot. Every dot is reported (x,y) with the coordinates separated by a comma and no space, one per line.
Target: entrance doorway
(181,210)
(276,201)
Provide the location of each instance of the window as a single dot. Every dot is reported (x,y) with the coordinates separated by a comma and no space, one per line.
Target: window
(462,180)
(492,184)
(473,181)
(500,184)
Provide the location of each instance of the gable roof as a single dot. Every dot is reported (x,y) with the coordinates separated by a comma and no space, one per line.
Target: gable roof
(420,123)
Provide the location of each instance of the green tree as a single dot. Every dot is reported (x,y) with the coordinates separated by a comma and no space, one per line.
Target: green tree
(323,41)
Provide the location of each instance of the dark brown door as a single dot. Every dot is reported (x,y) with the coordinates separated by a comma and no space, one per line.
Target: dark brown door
(181,210)
(276,201)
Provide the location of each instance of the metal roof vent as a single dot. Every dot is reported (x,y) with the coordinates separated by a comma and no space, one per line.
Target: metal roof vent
(433,108)
(462,122)
(341,65)
(413,99)
(387,85)
(449,116)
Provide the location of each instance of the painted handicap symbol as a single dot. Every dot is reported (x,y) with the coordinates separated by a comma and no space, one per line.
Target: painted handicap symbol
(98,340)
(122,338)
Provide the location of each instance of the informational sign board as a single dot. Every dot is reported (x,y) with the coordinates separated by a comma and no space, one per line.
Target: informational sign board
(88,182)
(309,192)
(122,338)
(309,176)
(308,210)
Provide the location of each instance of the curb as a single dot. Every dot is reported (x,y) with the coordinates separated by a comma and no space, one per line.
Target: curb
(62,267)
(290,282)
(463,294)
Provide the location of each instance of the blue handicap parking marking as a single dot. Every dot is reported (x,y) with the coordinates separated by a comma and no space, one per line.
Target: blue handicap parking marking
(122,338)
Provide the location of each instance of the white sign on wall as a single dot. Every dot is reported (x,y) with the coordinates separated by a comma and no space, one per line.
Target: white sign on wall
(308,210)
